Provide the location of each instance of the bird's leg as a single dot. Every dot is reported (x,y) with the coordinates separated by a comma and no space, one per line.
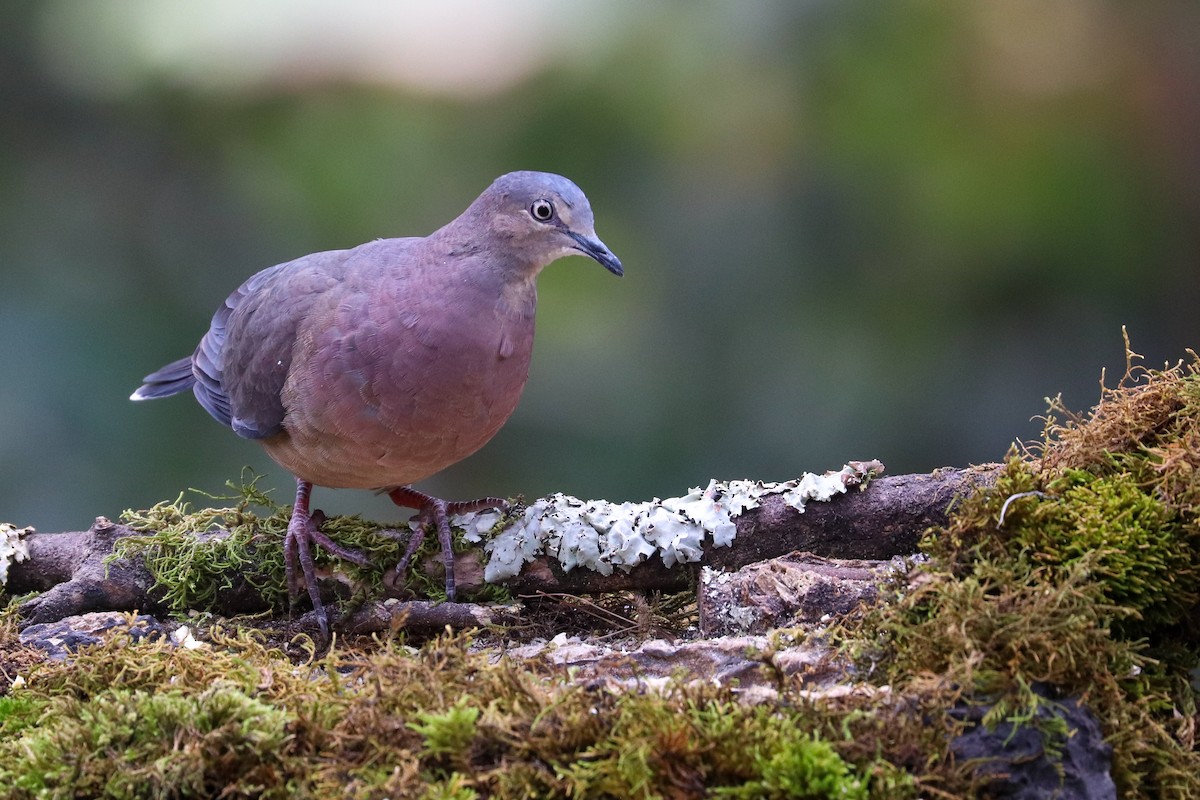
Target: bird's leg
(297,554)
(438,512)
(303,530)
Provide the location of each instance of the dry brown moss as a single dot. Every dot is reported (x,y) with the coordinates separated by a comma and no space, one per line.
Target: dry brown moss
(1148,422)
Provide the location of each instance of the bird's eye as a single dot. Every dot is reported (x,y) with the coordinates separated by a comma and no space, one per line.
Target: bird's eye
(541,210)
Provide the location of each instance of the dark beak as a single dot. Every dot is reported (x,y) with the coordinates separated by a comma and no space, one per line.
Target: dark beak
(590,246)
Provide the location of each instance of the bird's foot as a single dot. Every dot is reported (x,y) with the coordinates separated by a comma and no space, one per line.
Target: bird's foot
(438,512)
(304,530)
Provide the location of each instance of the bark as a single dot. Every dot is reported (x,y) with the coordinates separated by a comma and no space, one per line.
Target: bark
(792,591)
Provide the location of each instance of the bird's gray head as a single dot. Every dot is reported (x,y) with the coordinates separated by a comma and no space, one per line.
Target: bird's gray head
(541,217)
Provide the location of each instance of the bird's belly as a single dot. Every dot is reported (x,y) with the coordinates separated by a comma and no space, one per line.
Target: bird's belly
(392,428)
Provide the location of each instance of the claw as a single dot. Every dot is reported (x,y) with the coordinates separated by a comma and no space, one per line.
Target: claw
(438,512)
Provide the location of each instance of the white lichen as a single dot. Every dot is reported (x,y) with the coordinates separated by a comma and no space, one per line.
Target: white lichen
(603,536)
(13,548)
(182,637)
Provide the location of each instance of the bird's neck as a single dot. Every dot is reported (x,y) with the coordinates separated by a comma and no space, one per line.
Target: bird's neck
(480,231)
(485,267)
(518,299)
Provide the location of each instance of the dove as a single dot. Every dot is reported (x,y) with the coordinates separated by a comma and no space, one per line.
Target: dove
(381,365)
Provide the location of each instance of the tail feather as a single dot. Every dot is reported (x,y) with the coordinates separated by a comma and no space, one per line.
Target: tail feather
(172,379)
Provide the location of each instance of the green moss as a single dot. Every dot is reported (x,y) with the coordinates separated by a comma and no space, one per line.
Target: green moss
(692,741)
(18,713)
(453,788)
(800,767)
(192,553)
(1136,547)
(1079,571)
(131,744)
(448,732)
(191,565)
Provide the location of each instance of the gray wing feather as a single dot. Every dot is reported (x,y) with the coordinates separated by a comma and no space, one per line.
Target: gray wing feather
(172,379)
(225,352)
(253,337)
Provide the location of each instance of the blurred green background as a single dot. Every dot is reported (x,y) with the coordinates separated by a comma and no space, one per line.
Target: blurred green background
(851,228)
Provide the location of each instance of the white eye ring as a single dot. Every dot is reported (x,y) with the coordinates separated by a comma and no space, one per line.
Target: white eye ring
(541,210)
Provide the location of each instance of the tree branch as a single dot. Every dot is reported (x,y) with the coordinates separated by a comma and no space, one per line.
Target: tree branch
(884,519)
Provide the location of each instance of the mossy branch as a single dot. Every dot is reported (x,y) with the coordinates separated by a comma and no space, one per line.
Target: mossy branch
(227,559)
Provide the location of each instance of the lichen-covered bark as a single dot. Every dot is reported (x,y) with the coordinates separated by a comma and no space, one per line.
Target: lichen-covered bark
(882,520)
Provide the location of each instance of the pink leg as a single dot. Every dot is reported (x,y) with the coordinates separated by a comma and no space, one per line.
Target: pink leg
(438,512)
(299,566)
